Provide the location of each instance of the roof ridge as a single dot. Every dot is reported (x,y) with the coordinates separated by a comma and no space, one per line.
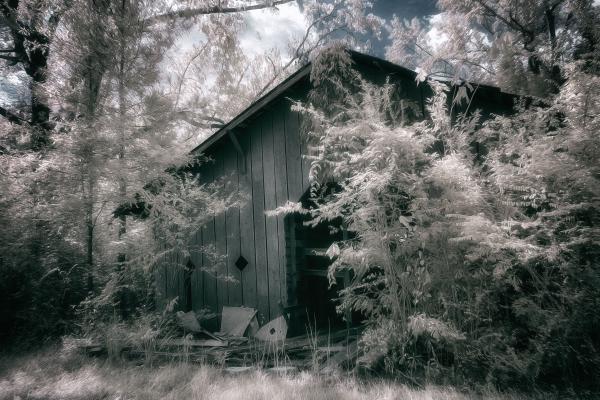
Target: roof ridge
(290,81)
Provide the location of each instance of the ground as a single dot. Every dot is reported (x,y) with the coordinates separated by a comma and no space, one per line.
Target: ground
(56,374)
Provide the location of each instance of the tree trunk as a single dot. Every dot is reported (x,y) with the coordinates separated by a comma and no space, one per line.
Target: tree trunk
(122,257)
(89,260)
(92,82)
(31,50)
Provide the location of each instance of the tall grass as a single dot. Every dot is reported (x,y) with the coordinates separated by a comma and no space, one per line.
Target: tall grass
(57,374)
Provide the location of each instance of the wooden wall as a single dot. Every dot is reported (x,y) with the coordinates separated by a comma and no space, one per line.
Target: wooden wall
(270,172)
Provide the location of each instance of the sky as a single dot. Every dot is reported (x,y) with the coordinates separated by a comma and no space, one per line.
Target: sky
(265,30)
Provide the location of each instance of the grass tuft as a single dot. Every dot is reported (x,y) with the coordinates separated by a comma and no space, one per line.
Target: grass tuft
(60,374)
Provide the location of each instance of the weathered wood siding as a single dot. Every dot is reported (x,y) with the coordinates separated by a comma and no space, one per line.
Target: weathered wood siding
(270,172)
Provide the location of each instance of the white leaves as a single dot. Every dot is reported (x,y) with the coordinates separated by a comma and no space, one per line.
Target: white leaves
(289,207)
(453,176)
(421,324)
(333,251)
(461,95)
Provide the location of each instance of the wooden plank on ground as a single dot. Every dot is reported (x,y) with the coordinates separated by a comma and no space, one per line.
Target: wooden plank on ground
(196,343)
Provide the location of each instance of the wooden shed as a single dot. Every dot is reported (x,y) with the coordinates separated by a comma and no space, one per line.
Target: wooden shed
(276,261)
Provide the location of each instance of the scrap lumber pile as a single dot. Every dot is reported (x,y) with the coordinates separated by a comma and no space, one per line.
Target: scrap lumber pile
(241,344)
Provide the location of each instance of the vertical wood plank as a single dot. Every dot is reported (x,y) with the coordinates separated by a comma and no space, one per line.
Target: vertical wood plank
(247,224)
(167,268)
(291,275)
(293,151)
(160,281)
(304,154)
(221,239)
(272,240)
(258,204)
(178,281)
(209,281)
(281,192)
(232,220)
(208,241)
(197,275)
(171,276)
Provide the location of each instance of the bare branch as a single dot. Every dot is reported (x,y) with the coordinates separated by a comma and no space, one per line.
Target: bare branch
(11,117)
(194,119)
(299,49)
(9,16)
(187,66)
(193,12)
(9,58)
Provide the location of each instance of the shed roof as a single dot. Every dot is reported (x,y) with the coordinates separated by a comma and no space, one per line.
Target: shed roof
(289,82)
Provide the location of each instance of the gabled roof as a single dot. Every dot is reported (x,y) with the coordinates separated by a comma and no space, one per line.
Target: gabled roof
(288,83)
(296,77)
(254,107)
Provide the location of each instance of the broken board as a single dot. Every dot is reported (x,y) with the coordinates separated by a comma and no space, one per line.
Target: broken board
(197,343)
(235,320)
(189,322)
(273,331)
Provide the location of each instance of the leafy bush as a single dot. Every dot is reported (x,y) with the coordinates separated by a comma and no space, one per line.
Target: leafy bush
(39,288)
(485,271)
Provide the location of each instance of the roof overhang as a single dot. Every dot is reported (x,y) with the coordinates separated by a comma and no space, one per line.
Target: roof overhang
(292,80)
(254,108)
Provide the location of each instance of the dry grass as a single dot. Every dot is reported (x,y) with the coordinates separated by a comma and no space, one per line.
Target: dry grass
(56,374)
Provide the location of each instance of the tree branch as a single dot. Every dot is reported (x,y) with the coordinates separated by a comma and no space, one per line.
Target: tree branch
(297,52)
(510,21)
(193,12)
(194,119)
(11,117)
(9,58)
(9,17)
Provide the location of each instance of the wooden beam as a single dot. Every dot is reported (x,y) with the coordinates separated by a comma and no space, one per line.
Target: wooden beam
(238,148)
(297,76)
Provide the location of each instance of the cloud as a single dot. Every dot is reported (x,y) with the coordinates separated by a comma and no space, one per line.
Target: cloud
(267,29)
(264,30)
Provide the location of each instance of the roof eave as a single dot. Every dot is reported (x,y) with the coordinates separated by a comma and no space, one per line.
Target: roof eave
(254,107)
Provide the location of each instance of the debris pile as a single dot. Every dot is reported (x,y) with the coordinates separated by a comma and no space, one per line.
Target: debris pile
(241,344)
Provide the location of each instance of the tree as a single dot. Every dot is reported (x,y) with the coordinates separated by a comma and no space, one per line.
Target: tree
(463,267)
(521,46)
(117,140)
(30,27)
(28,34)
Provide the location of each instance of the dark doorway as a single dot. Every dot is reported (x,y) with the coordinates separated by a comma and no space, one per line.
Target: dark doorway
(308,265)
(187,284)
